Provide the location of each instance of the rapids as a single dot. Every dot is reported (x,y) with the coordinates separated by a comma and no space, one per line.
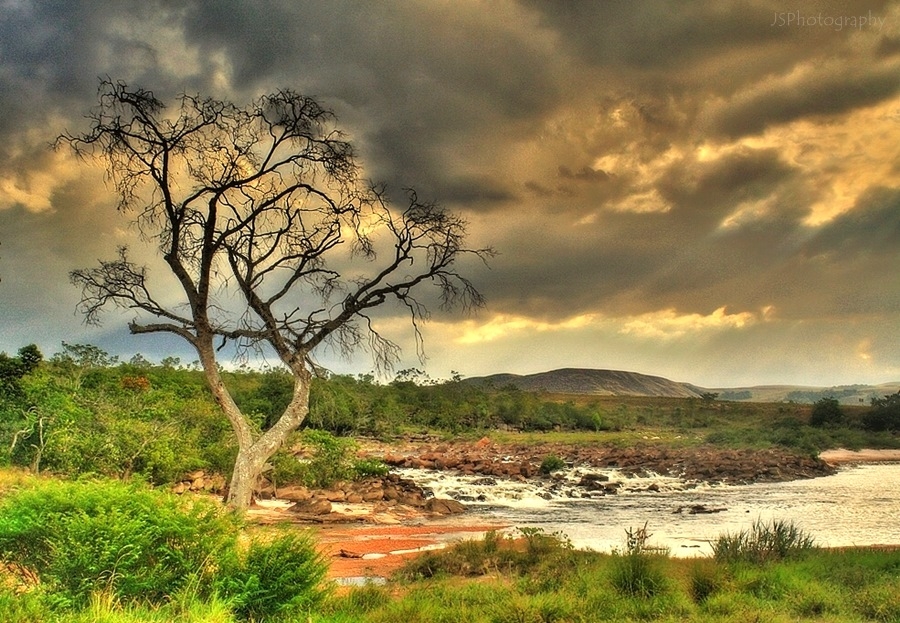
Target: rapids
(857,506)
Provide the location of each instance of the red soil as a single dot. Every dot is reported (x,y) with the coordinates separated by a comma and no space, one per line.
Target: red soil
(378,551)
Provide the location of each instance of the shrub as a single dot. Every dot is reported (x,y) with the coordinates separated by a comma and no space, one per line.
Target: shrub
(552,463)
(133,542)
(327,460)
(763,542)
(275,577)
(884,414)
(636,570)
(364,468)
(826,412)
(880,602)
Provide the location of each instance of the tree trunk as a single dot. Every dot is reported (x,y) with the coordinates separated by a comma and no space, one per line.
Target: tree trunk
(248,467)
(251,459)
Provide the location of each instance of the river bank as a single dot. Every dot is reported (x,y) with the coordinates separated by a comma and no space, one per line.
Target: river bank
(369,540)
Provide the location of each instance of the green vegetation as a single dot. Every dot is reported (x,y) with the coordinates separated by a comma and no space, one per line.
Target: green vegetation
(763,542)
(78,537)
(534,577)
(637,570)
(884,415)
(107,546)
(639,583)
(84,412)
(826,412)
(552,463)
(329,459)
(92,544)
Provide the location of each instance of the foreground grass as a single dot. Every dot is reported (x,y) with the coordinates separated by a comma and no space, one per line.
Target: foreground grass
(540,579)
(562,585)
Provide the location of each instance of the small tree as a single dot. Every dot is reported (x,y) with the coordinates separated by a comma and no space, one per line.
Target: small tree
(272,236)
(884,414)
(826,412)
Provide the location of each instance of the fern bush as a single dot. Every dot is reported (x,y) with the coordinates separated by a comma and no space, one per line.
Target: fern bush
(275,577)
(129,543)
(123,538)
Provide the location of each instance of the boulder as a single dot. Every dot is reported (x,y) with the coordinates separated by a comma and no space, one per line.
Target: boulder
(311,507)
(442,506)
(294,493)
(334,495)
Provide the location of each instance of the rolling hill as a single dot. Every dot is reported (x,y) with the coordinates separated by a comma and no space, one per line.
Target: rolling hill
(586,381)
(593,382)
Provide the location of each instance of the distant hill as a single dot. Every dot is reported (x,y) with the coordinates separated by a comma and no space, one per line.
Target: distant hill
(619,383)
(593,382)
(845,394)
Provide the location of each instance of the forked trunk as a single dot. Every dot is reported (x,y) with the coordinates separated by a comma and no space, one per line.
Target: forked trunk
(253,454)
(248,467)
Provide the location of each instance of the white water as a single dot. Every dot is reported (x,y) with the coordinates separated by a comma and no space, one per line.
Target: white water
(860,505)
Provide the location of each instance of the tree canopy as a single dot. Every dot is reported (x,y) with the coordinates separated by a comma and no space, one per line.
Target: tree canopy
(275,239)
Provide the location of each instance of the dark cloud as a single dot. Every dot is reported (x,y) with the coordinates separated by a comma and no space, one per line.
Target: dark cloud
(871,228)
(585,174)
(626,159)
(814,95)
(650,35)
(704,193)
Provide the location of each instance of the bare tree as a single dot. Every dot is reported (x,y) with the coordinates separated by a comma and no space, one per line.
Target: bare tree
(263,205)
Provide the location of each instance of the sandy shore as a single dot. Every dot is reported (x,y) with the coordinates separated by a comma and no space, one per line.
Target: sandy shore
(840,456)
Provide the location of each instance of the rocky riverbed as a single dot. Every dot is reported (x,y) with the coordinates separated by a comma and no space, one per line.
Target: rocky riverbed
(523,461)
(369,529)
(392,498)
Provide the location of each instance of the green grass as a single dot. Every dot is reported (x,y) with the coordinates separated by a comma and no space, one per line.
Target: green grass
(687,422)
(763,542)
(569,586)
(539,578)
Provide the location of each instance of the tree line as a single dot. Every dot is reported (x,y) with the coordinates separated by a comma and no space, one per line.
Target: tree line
(84,411)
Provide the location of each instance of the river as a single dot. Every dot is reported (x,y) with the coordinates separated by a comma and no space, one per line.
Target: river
(860,505)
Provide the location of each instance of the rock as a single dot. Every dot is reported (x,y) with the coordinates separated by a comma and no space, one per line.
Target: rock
(442,506)
(311,507)
(697,509)
(335,495)
(411,498)
(216,483)
(264,493)
(294,493)
(373,496)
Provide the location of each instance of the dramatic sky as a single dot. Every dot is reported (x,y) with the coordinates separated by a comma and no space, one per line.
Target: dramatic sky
(707,191)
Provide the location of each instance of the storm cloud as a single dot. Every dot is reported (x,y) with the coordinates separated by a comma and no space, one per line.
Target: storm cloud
(695,190)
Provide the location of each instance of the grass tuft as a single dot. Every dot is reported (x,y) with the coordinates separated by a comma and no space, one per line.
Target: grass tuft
(763,542)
